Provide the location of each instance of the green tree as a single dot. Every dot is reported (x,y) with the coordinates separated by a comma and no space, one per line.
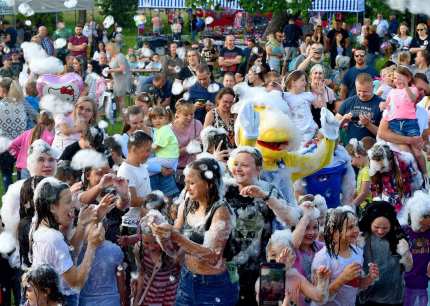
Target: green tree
(281,9)
(121,10)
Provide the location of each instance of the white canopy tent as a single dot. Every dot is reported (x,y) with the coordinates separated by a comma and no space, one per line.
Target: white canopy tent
(352,6)
(43,6)
(181,4)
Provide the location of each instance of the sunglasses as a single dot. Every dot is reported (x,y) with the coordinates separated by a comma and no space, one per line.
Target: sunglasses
(418,30)
(358,55)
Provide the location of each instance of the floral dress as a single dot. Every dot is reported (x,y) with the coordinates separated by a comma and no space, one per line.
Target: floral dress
(228,126)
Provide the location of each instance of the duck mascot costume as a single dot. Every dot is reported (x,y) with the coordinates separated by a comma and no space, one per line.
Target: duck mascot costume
(263,121)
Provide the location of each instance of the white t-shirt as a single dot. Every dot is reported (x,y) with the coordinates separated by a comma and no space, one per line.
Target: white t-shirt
(301,114)
(138,178)
(423,115)
(49,247)
(122,139)
(347,294)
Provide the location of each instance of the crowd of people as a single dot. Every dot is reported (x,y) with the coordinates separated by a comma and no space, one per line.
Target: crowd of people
(308,152)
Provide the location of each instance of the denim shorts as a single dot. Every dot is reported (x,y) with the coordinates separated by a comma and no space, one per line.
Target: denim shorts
(405,127)
(207,290)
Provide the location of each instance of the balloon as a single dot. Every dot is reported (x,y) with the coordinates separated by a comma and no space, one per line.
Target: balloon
(25,9)
(60,43)
(67,87)
(209,20)
(70,3)
(213,88)
(108,22)
(177,87)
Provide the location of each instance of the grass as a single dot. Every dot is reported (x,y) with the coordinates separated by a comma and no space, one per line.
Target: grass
(130,41)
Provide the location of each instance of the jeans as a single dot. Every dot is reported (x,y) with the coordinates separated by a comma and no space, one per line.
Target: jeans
(24,174)
(71,300)
(210,290)
(166,184)
(7,162)
(405,127)
(415,297)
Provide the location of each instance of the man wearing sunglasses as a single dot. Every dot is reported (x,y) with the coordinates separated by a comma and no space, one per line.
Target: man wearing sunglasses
(422,40)
(347,88)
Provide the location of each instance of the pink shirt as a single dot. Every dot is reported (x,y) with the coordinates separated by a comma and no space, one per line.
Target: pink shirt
(19,146)
(399,104)
(184,137)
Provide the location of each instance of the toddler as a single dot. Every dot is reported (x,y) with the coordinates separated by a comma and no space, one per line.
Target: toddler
(165,144)
(382,87)
(401,113)
(299,100)
(360,160)
(280,249)
(344,259)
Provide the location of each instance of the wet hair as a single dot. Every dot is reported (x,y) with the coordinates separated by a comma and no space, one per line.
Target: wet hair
(254,152)
(212,136)
(210,171)
(335,221)
(138,139)
(95,136)
(47,194)
(113,145)
(224,91)
(26,213)
(378,209)
(356,147)
(36,149)
(44,278)
(26,196)
(66,173)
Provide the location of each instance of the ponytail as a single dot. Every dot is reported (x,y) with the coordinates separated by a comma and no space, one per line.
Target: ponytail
(44,120)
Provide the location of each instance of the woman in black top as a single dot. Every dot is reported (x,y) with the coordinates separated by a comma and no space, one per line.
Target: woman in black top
(202,230)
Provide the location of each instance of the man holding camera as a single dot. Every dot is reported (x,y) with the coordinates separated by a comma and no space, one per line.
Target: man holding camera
(315,57)
(360,114)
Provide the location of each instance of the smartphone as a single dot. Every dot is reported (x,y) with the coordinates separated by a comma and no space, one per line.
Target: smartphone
(272,284)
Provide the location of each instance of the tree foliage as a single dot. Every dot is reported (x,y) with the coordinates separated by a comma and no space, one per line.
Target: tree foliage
(121,10)
(295,7)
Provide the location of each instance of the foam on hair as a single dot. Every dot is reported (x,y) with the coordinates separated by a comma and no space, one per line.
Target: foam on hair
(47,65)
(416,208)
(55,105)
(37,148)
(88,158)
(4,144)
